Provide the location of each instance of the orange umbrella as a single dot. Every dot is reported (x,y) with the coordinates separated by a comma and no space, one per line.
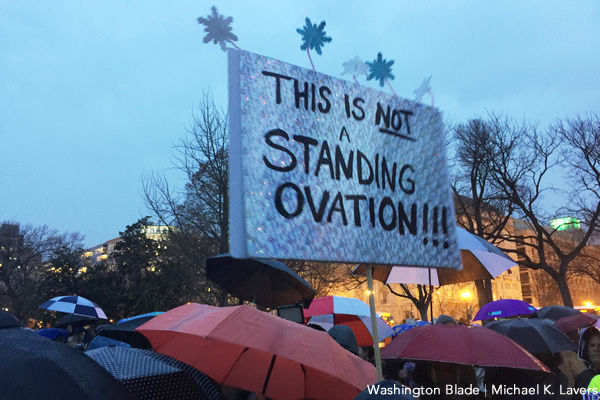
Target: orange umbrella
(259,352)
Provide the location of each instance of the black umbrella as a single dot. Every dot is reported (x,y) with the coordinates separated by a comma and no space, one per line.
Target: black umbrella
(265,282)
(556,312)
(537,336)
(75,320)
(125,332)
(32,367)
(146,376)
(7,320)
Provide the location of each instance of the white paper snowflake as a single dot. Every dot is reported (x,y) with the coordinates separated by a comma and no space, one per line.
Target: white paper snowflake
(355,67)
(421,90)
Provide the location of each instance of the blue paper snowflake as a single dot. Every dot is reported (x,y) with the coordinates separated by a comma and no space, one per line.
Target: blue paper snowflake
(218,29)
(380,70)
(313,36)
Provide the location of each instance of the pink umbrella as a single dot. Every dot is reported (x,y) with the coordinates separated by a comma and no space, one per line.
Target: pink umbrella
(461,345)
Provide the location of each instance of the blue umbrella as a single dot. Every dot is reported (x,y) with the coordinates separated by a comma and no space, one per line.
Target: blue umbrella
(53,333)
(150,314)
(503,309)
(398,329)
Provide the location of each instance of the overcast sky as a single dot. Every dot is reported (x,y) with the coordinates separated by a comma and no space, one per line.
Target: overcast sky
(94,94)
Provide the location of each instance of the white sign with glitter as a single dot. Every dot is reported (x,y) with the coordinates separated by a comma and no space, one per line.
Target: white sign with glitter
(324,169)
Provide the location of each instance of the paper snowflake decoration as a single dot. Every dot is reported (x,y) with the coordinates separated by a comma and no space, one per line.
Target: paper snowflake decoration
(355,67)
(421,90)
(380,70)
(313,36)
(218,29)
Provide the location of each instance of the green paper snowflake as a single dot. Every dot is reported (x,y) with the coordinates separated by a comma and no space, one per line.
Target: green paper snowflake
(380,70)
(313,36)
(218,29)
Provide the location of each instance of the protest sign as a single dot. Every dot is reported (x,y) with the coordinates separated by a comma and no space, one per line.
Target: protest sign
(325,169)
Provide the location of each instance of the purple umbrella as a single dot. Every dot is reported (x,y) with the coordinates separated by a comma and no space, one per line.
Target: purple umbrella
(503,309)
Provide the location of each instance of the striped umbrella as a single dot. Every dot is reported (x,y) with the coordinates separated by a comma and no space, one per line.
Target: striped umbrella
(75,305)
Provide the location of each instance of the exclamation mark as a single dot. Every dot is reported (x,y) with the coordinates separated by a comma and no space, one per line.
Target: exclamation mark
(425,220)
(435,225)
(445,225)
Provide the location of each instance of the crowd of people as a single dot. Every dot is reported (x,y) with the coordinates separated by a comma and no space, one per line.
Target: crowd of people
(571,372)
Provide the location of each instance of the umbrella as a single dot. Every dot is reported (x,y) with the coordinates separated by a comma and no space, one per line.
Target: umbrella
(480,258)
(150,314)
(537,336)
(504,308)
(145,376)
(259,352)
(354,313)
(102,341)
(125,332)
(75,320)
(75,305)
(398,329)
(556,312)
(265,282)
(54,334)
(460,345)
(32,367)
(575,322)
(7,320)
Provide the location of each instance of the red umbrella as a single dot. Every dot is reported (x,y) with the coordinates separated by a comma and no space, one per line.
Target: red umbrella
(461,345)
(259,352)
(354,313)
(575,322)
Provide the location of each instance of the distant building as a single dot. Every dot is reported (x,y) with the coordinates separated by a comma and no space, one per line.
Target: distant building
(101,252)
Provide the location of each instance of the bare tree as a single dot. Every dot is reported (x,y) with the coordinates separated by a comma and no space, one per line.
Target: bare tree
(480,207)
(326,277)
(421,298)
(199,210)
(24,251)
(522,161)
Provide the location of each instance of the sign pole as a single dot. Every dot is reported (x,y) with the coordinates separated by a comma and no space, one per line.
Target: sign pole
(376,350)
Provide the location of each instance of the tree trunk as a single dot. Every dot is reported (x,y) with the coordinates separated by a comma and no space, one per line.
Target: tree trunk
(563,288)
(423,310)
(484,292)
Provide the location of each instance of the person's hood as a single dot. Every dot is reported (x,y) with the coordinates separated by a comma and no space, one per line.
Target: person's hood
(584,337)
(345,337)
(445,318)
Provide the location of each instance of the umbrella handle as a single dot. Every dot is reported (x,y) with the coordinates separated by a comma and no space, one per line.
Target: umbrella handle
(376,350)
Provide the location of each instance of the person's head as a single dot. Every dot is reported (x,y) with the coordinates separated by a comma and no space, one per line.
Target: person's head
(589,346)
(446,320)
